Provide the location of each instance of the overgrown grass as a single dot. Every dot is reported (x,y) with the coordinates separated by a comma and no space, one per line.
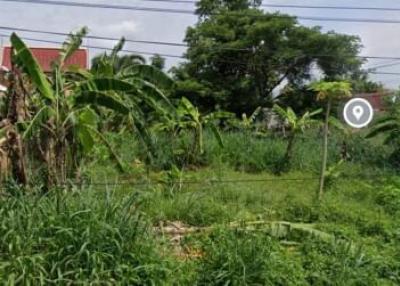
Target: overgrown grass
(103,234)
(251,153)
(86,238)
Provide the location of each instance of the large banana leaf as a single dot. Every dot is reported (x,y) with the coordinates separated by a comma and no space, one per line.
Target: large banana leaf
(107,84)
(389,126)
(30,65)
(37,121)
(151,74)
(98,98)
(95,133)
(151,90)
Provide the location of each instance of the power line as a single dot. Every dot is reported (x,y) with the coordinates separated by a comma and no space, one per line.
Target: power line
(295,6)
(128,183)
(101,6)
(391,64)
(174,44)
(162,43)
(100,48)
(191,12)
(162,54)
(182,57)
(386,9)
(9,28)
(383,73)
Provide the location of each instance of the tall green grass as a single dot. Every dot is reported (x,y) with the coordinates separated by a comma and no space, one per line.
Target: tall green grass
(84,239)
(252,153)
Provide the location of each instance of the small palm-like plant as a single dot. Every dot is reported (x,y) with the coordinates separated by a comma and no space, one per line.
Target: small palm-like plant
(329,92)
(296,125)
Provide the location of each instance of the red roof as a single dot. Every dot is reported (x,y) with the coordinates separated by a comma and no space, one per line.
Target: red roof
(46,56)
(375,99)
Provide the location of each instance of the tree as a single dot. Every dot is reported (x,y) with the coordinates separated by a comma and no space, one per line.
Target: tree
(328,92)
(239,55)
(208,7)
(296,124)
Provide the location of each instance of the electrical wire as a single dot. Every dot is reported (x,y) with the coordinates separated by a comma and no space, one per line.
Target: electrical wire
(100,48)
(175,56)
(9,28)
(295,6)
(191,12)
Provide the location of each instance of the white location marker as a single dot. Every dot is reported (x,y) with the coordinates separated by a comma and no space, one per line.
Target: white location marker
(358,112)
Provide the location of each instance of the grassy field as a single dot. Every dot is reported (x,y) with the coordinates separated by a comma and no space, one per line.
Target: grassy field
(224,219)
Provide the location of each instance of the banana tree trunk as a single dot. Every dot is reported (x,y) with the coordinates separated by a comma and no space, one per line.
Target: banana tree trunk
(289,149)
(324,151)
(16,114)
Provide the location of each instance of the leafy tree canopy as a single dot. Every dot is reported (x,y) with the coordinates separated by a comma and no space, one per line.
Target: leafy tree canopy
(238,55)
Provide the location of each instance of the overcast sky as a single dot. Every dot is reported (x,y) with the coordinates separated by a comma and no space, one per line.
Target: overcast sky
(378,39)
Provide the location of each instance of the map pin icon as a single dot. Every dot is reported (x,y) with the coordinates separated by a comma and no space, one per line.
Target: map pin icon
(358,112)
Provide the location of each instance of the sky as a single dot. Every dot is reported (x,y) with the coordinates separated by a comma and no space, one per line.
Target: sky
(377,39)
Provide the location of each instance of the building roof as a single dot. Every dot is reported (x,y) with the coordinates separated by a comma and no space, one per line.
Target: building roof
(46,56)
(375,99)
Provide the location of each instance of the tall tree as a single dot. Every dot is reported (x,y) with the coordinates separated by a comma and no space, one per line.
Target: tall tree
(239,55)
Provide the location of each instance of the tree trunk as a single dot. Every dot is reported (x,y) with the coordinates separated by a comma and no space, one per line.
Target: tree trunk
(16,114)
(324,151)
(289,149)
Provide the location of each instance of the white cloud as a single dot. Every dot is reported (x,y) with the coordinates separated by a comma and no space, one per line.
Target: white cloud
(126,27)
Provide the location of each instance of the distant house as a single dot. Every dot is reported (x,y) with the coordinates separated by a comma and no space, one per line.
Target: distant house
(375,99)
(46,56)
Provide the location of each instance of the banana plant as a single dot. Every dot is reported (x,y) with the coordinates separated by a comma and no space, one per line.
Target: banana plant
(188,117)
(142,88)
(67,107)
(296,125)
(246,123)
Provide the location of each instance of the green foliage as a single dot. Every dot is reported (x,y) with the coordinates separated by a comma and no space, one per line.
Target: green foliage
(245,258)
(94,239)
(296,124)
(332,90)
(24,57)
(389,198)
(336,263)
(238,55)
